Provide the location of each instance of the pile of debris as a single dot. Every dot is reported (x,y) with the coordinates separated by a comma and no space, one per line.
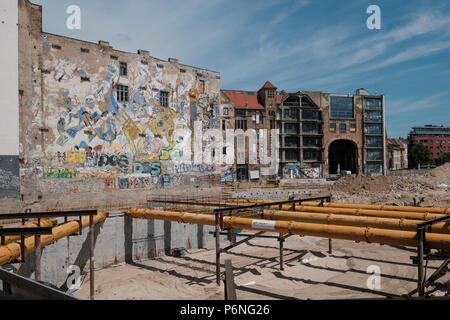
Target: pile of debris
(358,184)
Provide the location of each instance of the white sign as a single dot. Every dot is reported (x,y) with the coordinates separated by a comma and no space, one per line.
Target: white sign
(254,175)
(263,224)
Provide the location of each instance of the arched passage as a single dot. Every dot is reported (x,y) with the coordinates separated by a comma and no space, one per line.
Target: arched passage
(343,154)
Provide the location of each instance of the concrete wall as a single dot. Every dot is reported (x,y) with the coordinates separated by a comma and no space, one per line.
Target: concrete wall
(119,239)
(9,105)
(77,136)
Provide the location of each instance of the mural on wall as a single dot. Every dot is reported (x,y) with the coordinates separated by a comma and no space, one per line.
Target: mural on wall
(125,140)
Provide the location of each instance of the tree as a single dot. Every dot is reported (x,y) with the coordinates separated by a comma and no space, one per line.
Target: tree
(419,154)
(443,159)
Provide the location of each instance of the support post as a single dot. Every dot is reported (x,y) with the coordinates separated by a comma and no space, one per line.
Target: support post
(330,246)
(281,240)
(217,249)
(37,262)
(420,254)
(91,256)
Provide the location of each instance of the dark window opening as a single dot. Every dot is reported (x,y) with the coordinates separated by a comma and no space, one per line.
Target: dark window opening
(292,102)
(291,142)
(314,128)
(291,128)
(292,155)
(241,124)
(306,102)
(311,115)
(312,141)
(343,156)
(122,93)
(240,112)
(123,69)
(312,155)
(291,114)
(164,98)
(84,50)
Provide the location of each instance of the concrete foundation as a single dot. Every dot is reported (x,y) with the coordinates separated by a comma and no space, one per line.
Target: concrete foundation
(119,239)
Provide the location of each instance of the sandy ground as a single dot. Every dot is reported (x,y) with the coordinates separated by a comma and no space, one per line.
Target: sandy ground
(310,273)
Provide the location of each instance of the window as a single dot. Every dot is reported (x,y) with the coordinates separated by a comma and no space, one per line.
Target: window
(225,111)
(85,50)
(314,128)
(271,94)
(343,127)
(310,115)
(272,124)
(374,129)
(311,155)
(374,142)
(164,98)
(373,116)
(374,155)
(224,125)
(241,124)
(85,79)
(202,86)
(122,93)
(291,142)
(240,112)
(306,102)
(123,69)
(292,155)
(291,114)
(372,104)
(292,102)
(312,141)
(332,127)
(341,108)
(291,128)
(353,127)
(114,57)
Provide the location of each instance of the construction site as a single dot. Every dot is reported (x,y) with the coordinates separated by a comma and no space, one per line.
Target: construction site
(321,243)
(128,177)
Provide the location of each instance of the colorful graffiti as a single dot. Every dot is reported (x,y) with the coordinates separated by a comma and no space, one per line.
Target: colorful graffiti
(105,135)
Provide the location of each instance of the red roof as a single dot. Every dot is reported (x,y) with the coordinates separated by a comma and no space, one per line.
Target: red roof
(244,100)
(280,97)
(268,85)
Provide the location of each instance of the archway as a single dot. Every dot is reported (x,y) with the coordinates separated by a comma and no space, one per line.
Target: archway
(343,154)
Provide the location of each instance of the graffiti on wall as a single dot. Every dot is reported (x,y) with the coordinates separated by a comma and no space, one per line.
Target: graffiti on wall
(99,127)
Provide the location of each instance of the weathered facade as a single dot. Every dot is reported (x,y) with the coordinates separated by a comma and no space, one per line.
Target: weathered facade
(321,134)
(93,118)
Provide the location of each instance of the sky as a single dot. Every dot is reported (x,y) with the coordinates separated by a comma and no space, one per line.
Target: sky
(298,45)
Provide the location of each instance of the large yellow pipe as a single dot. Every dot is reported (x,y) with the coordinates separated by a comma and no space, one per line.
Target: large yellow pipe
(350,220)
(44,223)
(354,209)
(370,235)
(11,252)
(367,212)
(381,207)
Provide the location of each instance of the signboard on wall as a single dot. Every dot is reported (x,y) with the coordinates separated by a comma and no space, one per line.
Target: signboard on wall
(254,175)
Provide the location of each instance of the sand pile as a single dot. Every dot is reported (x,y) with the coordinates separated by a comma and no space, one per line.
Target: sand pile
(440,175)
(358,184)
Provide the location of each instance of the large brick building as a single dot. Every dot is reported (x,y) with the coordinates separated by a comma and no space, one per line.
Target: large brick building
(321,134)
(435,138)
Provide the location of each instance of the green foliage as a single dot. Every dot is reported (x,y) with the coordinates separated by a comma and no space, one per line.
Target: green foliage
(443,159)
(419,154)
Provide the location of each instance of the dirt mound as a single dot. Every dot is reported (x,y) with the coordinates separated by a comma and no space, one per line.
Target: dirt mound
(440,175)
(357,184)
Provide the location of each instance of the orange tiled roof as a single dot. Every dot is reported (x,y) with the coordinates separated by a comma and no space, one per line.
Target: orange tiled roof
(244,100)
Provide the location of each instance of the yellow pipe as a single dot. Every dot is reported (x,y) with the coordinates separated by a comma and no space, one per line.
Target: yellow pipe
(350,220)
(382,207)
(11,252)
(367,212)
(44,223)
(370,235)
(354,209)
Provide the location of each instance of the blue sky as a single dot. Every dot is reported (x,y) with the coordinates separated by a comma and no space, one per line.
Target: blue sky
(320,45)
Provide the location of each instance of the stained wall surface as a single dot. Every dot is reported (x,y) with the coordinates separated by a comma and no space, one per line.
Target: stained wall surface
(9,105)
(78,134)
